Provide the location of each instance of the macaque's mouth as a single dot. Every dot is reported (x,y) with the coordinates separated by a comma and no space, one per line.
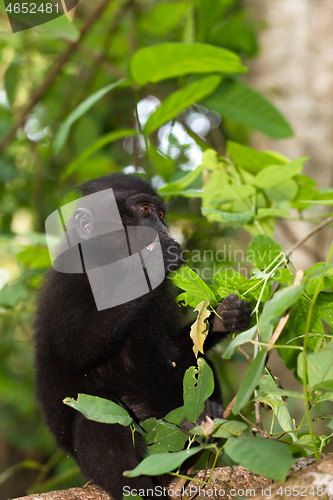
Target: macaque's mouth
(151,246)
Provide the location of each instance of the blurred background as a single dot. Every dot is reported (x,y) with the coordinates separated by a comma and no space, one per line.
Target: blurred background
(288,49)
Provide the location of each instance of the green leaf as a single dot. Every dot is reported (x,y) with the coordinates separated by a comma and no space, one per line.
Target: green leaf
(167,60)
(281,392)
(198,386)
(211,159)
(63,132)
(327,385)
(324,306)
(272,212)
(256,454)
(266,389)
(99,409)
(234,218)
(180,100)
(250,381)
(239,103)
(230,193)
(282,300)
(156,448)
(262,250)
(163,17)
(149,426)
(319,202)
(183,183)
(176,416)
(278,195)
(241,339)
(235,282)
(12,78)
(35,257)
(273,175)
(306,191)
(319,366)
(188,280)
(162,463)
(284,276)
(231,427)
(319,270)
(252,160)
(170,436)
(100,143)
(12,294)
(294,330)
(164,165)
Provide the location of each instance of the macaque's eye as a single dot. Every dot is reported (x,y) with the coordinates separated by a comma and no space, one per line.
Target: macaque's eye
(160,214)
(145,208)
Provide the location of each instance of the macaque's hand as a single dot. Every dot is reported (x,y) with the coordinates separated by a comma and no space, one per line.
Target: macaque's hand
(235,314)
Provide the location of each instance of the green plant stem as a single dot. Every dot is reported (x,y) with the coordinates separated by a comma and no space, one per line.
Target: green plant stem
(206,483)
(149,165)
(270,346)
(188,478)
(265,279)
(305,344)
(256,309)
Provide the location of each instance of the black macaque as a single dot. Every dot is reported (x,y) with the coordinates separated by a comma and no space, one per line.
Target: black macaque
(136,352)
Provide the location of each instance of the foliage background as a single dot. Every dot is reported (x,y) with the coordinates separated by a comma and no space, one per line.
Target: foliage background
(35,179)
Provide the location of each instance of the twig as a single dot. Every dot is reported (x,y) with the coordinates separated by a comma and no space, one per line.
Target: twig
(272,438)
(244,354)
(229,408)
(261,431)
(52,75)
(310,234)
(257,414)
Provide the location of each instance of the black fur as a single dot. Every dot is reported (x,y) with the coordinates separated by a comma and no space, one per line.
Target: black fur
(136,352)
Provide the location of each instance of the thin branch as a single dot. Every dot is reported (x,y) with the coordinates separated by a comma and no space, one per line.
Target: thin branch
(229,408)
(52,75)
(325,223)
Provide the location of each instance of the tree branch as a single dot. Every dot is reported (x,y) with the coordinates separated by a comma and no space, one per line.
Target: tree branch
(325,223)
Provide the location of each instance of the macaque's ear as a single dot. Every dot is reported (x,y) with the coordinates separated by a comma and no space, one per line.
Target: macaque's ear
(83,222)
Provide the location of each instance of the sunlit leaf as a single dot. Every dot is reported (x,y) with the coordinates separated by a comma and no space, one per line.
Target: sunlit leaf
(189,281)
(180,100)
(167,60)
(199,329)
(252,160)
(274,175)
